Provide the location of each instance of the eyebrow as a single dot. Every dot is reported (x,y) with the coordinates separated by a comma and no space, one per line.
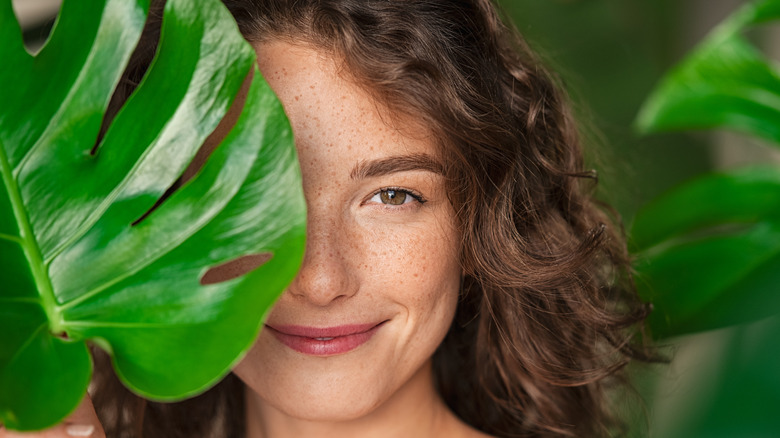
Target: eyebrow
(396,163)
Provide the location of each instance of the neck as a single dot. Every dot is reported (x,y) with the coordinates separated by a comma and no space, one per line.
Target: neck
(414,410)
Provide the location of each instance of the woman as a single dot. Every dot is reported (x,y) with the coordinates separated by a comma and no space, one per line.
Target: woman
(459,279)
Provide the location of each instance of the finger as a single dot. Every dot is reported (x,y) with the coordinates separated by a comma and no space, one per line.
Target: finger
(82,423)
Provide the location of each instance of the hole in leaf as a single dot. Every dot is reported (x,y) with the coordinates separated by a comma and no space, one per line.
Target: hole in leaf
(36,20)
(234,268)
(207,148)
(192,169)
(168,192)
(136,69)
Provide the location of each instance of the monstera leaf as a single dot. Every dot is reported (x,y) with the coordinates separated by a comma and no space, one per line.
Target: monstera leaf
(85,257)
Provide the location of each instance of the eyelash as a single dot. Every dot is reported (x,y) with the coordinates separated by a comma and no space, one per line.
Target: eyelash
(415,196)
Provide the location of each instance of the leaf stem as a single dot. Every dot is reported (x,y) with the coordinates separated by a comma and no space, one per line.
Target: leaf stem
(30,246)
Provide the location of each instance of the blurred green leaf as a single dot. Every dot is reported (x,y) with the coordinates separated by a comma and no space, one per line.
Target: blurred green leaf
(725,385)
(82,260)
(742,196)
(766,10)
(724,82)
(746,397)
(708,252)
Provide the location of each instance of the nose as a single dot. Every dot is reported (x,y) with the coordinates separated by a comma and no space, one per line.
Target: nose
(325,275)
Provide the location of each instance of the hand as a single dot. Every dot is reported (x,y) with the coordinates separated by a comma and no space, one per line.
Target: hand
(82,423)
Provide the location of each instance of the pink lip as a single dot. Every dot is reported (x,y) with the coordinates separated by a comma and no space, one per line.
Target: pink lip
(327,341)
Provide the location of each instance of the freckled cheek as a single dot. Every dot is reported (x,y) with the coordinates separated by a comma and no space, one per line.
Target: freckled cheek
(415,266)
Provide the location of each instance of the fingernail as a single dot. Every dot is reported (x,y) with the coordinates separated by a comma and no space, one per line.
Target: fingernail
(79,429)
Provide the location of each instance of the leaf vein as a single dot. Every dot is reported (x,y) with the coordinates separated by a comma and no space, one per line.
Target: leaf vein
(11,238)
(30,246)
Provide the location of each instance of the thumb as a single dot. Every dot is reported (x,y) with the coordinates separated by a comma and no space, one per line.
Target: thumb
(82,423)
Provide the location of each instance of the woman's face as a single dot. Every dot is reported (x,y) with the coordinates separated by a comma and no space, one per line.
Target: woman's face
(379,283)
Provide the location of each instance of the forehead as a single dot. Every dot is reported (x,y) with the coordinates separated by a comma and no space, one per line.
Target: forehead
(327,107)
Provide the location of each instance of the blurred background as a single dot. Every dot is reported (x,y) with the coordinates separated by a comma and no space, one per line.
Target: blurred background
(610,54)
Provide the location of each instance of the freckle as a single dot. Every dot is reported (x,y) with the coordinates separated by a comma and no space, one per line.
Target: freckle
(297,97)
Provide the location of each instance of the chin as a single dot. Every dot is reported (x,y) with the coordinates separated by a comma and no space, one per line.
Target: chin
(324,403)
(332,412)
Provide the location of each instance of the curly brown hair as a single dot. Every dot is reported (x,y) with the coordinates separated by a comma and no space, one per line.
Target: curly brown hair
(548,315)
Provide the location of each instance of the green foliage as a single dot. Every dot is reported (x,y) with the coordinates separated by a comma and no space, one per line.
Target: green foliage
(709,250)
(80,258)
(608,54)
(725,82)
(723,383)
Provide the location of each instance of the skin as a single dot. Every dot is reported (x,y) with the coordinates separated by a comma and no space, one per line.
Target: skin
(369,259)
(366,261)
